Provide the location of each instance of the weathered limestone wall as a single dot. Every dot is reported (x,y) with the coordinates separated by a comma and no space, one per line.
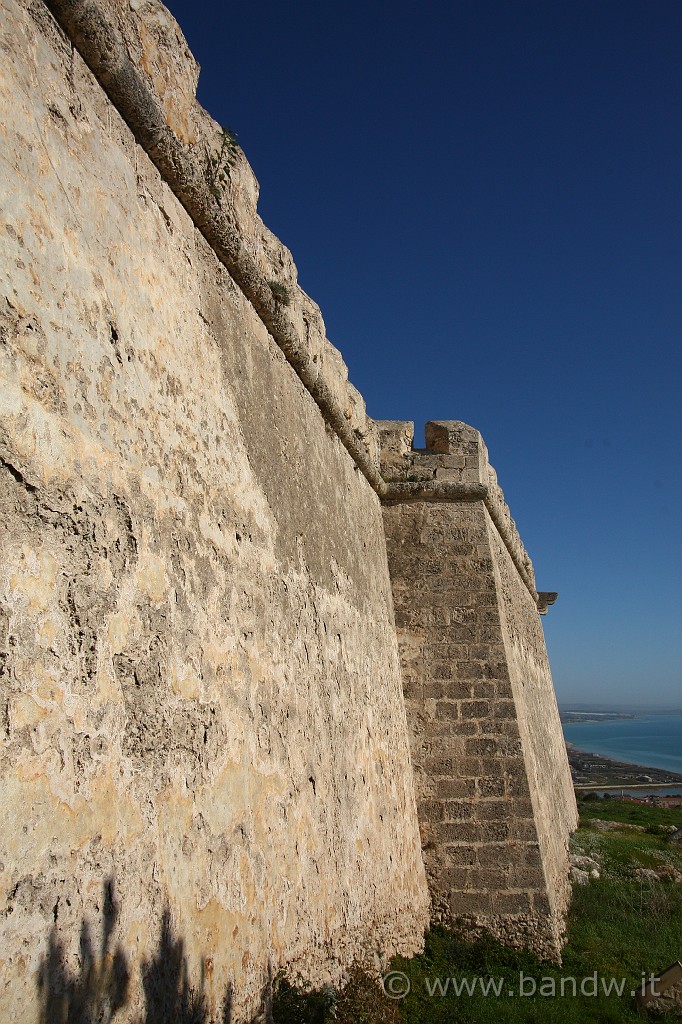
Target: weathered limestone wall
(204,750)
(542,742)
(204,756)
(494,791)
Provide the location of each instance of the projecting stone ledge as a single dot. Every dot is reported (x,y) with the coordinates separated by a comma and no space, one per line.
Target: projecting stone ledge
(494,791)
(545,599)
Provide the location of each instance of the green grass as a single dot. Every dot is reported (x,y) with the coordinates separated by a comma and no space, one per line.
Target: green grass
(633,814)
(622,852)
(620,926)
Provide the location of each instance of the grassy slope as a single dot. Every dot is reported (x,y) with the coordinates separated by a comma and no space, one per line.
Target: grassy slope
(634,814)
(620,926)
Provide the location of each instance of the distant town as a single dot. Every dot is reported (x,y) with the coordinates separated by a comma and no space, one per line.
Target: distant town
(593,771)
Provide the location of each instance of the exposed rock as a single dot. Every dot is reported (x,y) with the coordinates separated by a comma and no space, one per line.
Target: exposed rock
(613,826)
(583,861)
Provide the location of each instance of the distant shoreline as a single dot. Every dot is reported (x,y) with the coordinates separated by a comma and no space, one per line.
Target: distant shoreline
(594,717)
(580,716)
(628,772)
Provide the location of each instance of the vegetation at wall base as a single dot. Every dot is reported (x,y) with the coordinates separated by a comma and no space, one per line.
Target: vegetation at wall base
(360,1001)
(625,924)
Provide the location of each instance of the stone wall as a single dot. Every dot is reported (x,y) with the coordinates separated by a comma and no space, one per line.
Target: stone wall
(495,800)
(204,748)
(204,754)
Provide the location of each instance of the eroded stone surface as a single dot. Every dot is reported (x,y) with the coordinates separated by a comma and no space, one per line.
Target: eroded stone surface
(204,752)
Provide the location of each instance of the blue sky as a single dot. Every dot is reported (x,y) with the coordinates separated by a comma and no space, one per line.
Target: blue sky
(484,198)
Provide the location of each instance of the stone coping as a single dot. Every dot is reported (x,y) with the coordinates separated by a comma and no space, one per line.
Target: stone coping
(454,466)
(137,53)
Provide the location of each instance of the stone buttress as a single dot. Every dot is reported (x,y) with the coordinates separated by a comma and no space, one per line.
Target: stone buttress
(494,792)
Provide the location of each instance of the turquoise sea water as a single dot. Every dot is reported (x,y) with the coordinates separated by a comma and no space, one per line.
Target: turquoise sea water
(652,740)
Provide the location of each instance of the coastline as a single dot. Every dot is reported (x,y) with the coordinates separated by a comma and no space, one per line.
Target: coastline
(596,771)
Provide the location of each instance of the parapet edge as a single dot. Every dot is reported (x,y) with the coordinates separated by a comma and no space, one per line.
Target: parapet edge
(141,59)
(454,466)
(139,55)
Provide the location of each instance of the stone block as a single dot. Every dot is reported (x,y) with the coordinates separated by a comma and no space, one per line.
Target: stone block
(494,831)
(468,728)
(479,904)
(512,903)
(444,688)
(524,830)
(456,810)
(431,810)
(483,747)
(456,788)
(494,810)
(490,787)
(452,437)
(460,858)
(441,766)
(460,832)
(495,855)
(485,688)
(471,767)
(447,709)
(525,877)
(475,709)
(440,669)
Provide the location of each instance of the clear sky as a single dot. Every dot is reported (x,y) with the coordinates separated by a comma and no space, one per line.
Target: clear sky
(484,198)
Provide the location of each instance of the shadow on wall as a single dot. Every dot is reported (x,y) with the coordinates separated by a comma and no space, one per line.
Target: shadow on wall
(100,990)
(99,993)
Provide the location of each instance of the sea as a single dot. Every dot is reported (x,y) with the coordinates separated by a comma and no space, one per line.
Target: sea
(654,741)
